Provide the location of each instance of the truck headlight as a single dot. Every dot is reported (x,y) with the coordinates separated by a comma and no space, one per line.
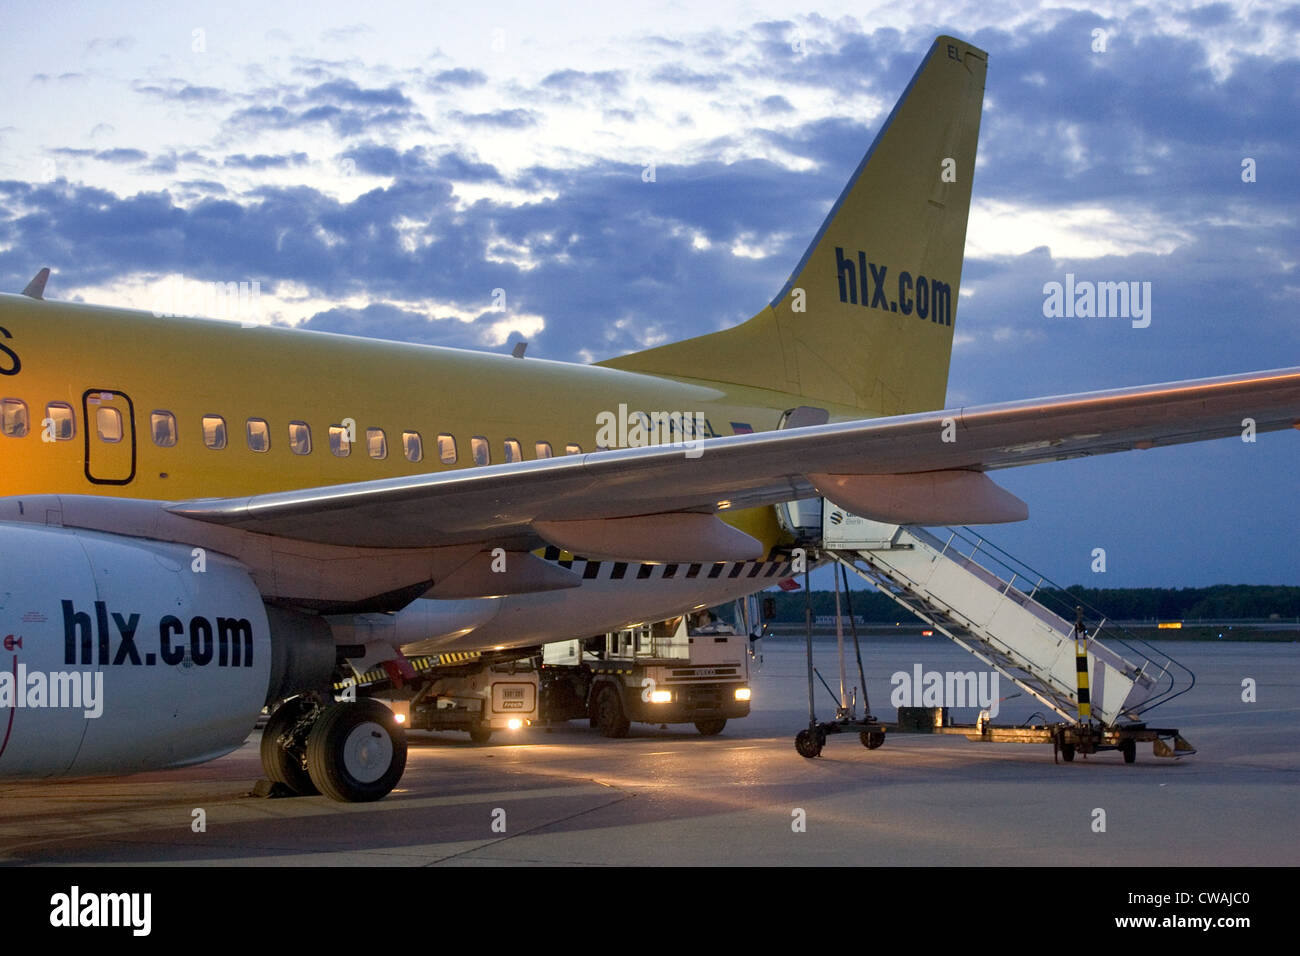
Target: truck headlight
(742,693)
(661,696)
(514,723)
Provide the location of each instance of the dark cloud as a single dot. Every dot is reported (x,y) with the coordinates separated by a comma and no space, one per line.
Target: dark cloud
(678,75)
(119,155)
(60,77)
(263,161)
(776,104)
(458,78)
(417,163)
(505,119)
(348,92)
(202,186)
(343,120)
(183,92)
(581,82)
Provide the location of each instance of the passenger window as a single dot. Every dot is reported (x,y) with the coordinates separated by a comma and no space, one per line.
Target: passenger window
(573,449)
(447,449)
(300,438)
(478,446)
(14,421)
(63,422)
(413,445)
(543,449)
(108,422)
(513,451)
(214,432)
(376,443)
(340,445)
(162,425)
(259,434)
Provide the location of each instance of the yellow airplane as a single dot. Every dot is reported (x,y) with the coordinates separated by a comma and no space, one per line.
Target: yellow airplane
(199,518)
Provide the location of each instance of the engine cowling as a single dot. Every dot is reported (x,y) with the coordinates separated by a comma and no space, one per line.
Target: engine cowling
(121,655)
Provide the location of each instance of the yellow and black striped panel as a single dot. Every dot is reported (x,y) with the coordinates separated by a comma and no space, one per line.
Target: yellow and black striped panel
(589,570)
(420,664)
(1081,671)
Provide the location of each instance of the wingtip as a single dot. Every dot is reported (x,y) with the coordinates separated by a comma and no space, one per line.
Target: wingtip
(36,288)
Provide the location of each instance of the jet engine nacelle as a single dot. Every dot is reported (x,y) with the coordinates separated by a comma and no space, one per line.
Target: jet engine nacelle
(119,655)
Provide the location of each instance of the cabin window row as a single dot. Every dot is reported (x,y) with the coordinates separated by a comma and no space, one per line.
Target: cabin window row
(15,422)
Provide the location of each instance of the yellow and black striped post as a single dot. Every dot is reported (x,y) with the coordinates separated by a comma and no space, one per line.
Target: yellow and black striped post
(1081,665)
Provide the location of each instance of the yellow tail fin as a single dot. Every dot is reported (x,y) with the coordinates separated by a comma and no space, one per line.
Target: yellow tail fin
(867,317)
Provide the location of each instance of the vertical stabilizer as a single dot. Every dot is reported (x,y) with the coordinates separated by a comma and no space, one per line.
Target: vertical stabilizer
(867,317)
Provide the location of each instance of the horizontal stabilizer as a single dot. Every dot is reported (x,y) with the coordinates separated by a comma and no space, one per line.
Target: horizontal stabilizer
(931,497)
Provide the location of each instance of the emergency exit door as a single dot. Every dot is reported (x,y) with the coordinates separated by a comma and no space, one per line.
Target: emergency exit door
(108,420)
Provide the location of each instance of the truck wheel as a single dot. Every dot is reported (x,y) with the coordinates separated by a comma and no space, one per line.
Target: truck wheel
(284,764)
(1067,752)
(356,752)
(710,727)
(1129,748)
(480,733)
(871,739)
(808,745)
(609,713)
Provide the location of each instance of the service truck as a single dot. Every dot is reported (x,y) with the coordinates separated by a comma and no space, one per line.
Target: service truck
(690,669)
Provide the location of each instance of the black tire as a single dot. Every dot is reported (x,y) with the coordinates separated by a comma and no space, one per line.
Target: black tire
(710,727)
(281,765)
(356,752)
(609,713)
(809,745)
(871,739)
(1067,752)
(480,733)
(1129,749)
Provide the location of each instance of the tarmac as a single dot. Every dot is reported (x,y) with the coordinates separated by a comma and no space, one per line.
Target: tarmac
(673,797)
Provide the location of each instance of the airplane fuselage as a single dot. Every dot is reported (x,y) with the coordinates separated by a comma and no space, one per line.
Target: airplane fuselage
(109,402)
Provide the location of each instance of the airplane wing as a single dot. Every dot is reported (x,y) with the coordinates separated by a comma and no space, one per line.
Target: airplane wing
(921,468)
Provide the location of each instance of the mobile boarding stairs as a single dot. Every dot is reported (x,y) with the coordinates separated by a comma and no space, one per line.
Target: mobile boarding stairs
(1099,683)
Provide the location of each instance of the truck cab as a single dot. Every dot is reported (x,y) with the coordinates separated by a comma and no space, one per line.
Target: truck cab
(689,669)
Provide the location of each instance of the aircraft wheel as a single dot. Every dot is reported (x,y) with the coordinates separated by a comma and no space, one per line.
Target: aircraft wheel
(1129,749)
(1067,752)
(284,764)
(809,745)
(871,739)
(356,752)
(480,733)
(609,713)
(710,727)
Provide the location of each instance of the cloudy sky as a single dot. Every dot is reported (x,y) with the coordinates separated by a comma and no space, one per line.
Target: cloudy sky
(381,169)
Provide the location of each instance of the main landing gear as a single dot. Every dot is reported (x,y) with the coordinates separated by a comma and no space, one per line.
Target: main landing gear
(351,751)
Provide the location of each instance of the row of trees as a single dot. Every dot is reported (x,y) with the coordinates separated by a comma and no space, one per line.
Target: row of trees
(1230,601)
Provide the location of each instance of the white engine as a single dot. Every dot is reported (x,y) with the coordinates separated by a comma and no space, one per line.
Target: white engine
(119,655)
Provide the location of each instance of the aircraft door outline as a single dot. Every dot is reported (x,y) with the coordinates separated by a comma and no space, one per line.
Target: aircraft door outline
(112,461)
